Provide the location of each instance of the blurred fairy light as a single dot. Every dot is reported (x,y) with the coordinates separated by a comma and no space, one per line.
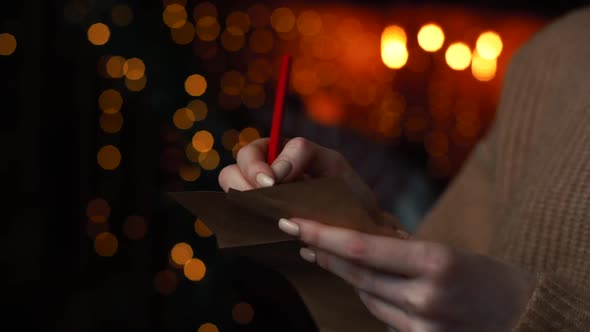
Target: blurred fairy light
(248,135)
(243,313)
(431,37)
(99,34)
(7,44)
(98,210)
(191,153)
(195,85)
(194,269)
(165,282)
(208,327)
(181,253)
(283,20)
(183,118)
(174,16)
(458,56)
(238,20)
(489,45)
(201,229)
(109,157)
(483,69)
(199,109)
(135,227)
(136,85)
(209,160)
(111,123)
(122,15)
(134,69)
(114,66)
(203,141)
(233,39)
(393,47)
(207,28)
(204,9)
(183,35)
(309,23)
(110,101)
(189,173)
(106,244)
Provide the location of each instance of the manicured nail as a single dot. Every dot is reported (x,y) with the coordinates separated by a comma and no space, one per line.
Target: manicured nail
(264,180)
(282,168)
(289,227)
(307,254)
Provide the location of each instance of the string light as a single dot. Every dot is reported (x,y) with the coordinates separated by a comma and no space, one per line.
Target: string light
(195,85)
(174,16)
(431,37)
(106,244)
(489,45)
(209,160)
(393,47)
(282,20)
(7,44)
(99,34)
(111,123)
(458,56)
(134,69)
(208,327)
(98,210)
(202,230)
(109,157)
(195,269)
(203,141)
(181,253)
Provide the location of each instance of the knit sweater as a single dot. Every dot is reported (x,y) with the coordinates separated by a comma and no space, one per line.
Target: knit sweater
(523,197)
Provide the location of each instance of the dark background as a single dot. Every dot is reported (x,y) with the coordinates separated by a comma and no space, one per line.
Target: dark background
(53,279)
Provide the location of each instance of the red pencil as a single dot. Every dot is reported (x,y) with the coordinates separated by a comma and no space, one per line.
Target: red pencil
(277,117)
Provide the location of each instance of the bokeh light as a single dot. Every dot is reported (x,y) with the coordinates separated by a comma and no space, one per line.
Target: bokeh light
(431,37)
(243,313)
(106,244)
(111,123)
(207,28)
(199,109)
(7,44)
(183,35)
(99,34)
(134,68)
(195,85)
(248,135)
(394,52)
(209,160)
(181,253)
(135,227)
(458,56)
(483,69)
(239,20)
(183,118)
(165,282)
(136,85)
(201,229)
(109,157)
(394,33)
(233,39)
(95,228)
(191,153)
(122,15)
(115,65)
(110,101)
(282,20)
(309,23)
(208,327)
(232,83)
(195,269)
(204,9)
(489,45)
(189,173)
(203,141)
(98,210)
(261,40)
(174,16)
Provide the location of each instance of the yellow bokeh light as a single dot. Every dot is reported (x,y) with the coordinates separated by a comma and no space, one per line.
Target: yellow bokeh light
(248,135)
(431,37)
(195,269)
(207,28)
(259,15)
(483,69)
(7,44)
(183,118)
(110,101)
(233,39)
(195,85)
(489,45)
(253,96)
(232,83)
(203,141)
(230,138)
(99,34)
(259,70)
(238,20)
(199,109)
(243,313)
(183,35)
(393,33)
(394,54)
(201,229)
(135,227)
(115,66)
(204,9)
(136,85)
(309,23)
(109,157)
(122,15)
(174,16)
(106,244)
(181,253)
(209,160)
(165,282)
(111,123)
(191,153)
(189,173)
(458,56)
(261,41)
(98,210)
(208,327)
(282,20)
(134,69)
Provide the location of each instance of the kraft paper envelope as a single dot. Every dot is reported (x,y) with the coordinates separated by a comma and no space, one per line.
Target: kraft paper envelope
(245,224)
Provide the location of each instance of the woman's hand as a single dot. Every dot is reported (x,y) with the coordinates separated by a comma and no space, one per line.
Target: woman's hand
(413,285)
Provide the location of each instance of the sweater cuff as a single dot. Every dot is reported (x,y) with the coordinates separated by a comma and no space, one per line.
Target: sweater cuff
(554,306)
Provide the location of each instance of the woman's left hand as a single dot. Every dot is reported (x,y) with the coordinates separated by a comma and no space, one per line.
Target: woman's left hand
(413,285)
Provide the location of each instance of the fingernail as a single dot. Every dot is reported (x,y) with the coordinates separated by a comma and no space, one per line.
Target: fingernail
(264,180)
(307,254)
(289,227)
(282,168)
(404,235)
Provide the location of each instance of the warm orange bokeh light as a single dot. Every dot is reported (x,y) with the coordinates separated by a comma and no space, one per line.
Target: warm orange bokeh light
(431,37)
(239,20)
(195,85)
(134,69)
(243,313)
(110,101)
(458,56)
(309,23)
(208,327)
(207,28)
(7,44)
(248,135)
(394,33)
(191,153)
(99,34)
(109,157)
(135,227)
(111,123)
(136,85)
(483,69)
(233,39)
(199,109)
(209,160)
(181,253)
(195,269)
(98,210)
(203,141)
(183,118)
(189,173)
(394,52)
(489,45)
(115,66)
(282,20)
(165,282)
(204,9)
(183,35)
(174,16)
(106,244)
(201,229)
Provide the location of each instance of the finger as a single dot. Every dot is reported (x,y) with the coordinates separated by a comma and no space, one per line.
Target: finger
(388,254)
(386,312)
(252,163)
(231,177)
